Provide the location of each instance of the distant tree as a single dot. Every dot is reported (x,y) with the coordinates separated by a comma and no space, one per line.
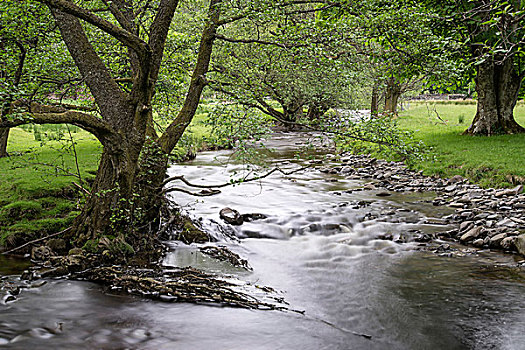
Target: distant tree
(24,38)
(284,65)
(401,51)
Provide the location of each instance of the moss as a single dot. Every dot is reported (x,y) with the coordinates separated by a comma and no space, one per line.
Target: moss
(21,209)
(91,246)
(189,233)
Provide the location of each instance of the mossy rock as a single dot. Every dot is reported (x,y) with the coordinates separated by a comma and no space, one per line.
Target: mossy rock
(189,233)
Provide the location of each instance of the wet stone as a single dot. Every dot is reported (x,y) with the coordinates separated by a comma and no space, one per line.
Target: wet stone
(496,240)
(471,234)
(519,243)
(507,242)
(478,243)
(231,216)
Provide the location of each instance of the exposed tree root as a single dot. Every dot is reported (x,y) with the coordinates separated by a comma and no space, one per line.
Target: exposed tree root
(177,285)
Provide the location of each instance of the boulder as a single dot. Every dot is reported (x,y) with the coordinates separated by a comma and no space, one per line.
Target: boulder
(41,253)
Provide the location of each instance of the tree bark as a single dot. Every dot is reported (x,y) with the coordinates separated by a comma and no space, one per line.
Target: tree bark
(374,103)
(497,86)
(393,92)
(4,135)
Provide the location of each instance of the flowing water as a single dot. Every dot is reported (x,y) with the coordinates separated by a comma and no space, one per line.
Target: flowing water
(320,249)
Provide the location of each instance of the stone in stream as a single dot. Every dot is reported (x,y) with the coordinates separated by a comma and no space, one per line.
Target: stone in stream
(496,240)
(253,217)
(383,194)
(231,216)
(478,243)
(519,243)
(507,242)
(471,234)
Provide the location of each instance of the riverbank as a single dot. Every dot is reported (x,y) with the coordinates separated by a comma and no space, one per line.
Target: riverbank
(484,218)
(495,161)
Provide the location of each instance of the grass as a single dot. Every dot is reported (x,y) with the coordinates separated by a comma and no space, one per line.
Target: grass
(36,192)
(496,161)
(37,195)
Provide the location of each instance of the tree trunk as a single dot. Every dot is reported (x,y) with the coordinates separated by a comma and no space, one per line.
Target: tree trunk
(497,86)
(393,92)
(374,104)
(108,209)
(292,112)
(315,112)
(4,135)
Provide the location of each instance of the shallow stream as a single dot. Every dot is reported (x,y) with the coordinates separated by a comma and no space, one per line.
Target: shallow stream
(321,250)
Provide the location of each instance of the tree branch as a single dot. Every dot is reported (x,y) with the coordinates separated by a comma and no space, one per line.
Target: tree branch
(231,183)
(255,41)
(159,32)
(174,131)
(36,241)
(125,37)
(91,66)
(98,127)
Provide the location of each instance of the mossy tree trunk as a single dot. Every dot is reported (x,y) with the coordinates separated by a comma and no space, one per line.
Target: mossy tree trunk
(497,85)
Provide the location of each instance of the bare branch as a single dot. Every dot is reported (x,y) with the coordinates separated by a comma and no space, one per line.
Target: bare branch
(36,241)
(212,188)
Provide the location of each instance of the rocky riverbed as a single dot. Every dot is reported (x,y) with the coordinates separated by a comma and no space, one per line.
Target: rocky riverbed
(484,218)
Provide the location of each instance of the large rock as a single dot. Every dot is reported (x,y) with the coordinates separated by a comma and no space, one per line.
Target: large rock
(496,240)
(519,243)
(471,234)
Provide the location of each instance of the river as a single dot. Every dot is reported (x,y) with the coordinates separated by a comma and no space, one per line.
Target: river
(321,252)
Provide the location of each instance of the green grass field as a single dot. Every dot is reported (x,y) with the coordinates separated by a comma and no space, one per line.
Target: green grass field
(496,161)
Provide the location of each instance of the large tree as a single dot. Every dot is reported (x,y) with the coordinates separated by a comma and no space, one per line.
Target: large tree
(492,36)
(497,41)
(125,194)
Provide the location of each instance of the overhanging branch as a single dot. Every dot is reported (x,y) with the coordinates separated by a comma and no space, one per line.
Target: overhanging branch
(209,190)
(98,127)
